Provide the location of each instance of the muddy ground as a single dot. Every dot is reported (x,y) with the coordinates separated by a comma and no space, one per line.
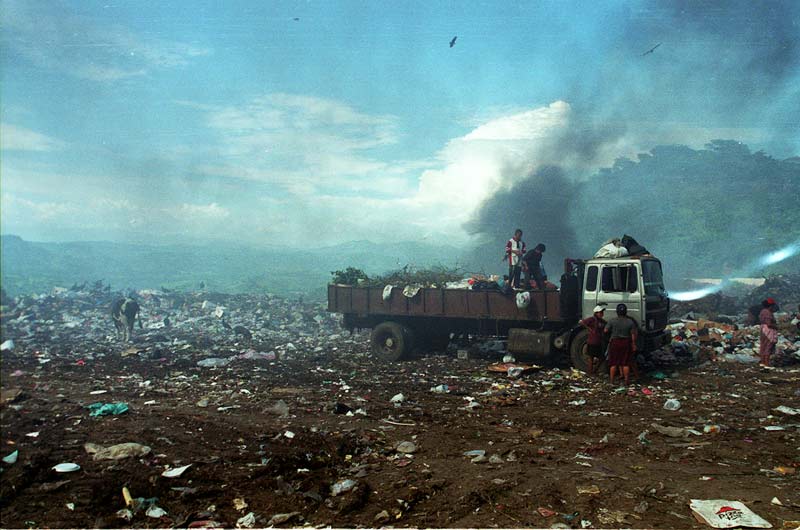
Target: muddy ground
(554,441)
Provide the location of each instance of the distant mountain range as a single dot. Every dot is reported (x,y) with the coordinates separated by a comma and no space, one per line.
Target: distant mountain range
(35,267)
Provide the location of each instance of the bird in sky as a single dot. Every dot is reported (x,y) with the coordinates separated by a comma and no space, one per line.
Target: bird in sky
(453,42)
(651,50)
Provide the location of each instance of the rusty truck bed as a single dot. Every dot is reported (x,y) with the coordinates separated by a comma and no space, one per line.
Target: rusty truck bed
(444,303)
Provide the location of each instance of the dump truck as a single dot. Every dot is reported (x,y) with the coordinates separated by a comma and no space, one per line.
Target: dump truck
(402,320)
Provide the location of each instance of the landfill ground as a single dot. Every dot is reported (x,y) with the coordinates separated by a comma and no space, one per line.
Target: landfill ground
(269,437)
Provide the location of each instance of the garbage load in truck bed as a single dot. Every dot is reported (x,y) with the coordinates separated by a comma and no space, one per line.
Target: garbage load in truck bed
(364,302)
(426,318)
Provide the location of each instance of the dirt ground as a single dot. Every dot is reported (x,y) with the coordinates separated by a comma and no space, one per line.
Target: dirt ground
(554,441)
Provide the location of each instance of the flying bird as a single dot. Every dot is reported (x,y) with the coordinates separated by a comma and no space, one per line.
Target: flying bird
(296,19)
(651,50)
(453,42)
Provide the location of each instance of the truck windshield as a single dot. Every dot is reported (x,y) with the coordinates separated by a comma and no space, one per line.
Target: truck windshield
(653,278)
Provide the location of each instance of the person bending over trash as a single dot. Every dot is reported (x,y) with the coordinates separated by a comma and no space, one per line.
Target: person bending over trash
(769,331)
(532,265)
(594,343)
(515,248)
(622,346)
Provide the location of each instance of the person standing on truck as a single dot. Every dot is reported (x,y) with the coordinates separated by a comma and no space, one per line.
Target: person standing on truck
(595,324)
(515,248)
(532,265)
(622,346)
(769,330)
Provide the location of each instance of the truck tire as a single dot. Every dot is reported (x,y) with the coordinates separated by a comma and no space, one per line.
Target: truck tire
(579,358)
(390,341)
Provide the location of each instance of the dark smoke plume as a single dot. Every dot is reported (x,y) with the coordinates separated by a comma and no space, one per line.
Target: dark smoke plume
(540,206)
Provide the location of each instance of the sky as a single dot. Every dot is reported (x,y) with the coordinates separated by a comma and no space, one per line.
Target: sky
(297,123)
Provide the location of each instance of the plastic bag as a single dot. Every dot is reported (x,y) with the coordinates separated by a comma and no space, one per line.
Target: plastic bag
(523,300)
(720,513)
(387,292)
(610,250)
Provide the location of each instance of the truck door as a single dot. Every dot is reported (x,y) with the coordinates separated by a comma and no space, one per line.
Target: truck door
(590,288)
(619,284)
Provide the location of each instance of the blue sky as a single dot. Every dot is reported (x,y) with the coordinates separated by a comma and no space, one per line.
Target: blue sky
(201,121)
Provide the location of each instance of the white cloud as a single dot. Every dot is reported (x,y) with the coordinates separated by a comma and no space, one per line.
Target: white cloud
(301,141)
(14,138)
(203,211)
(51,38)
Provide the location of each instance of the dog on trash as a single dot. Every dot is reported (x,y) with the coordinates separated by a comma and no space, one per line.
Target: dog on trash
(125,312)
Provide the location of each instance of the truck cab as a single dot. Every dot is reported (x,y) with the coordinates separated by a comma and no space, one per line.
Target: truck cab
(638,283)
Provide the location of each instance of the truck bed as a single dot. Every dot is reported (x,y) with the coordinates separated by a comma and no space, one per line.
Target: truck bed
(444,303)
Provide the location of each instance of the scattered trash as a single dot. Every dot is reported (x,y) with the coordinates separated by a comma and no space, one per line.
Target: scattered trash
(474,453)
(785,470)
(343,486)
(711,429)
(546,512)
(107,409)
(7,345)
(787,410)
(289,434)
(281,518)
(239,504)
(125,514)
(440,389)
(589,490)
(247,521)
(726,514)
(674,432)
(406,448)
(213,362)
(776,501)
(116,452)
(155,512)
(176,471)
(126,495)
(578,402)
(397,399)
(672,404)
(12,458)
(66,467)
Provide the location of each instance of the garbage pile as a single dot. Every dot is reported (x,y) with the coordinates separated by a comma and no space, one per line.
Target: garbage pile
(783,287)
(705,340)
(77,323)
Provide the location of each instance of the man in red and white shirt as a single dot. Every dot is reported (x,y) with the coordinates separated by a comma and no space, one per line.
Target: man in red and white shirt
(515,248)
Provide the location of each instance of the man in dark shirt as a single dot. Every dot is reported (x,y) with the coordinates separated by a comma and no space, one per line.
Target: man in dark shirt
(532,265)
(594,343)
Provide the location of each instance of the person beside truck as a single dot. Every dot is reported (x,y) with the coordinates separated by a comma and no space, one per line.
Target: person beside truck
(622,345)
(595,324)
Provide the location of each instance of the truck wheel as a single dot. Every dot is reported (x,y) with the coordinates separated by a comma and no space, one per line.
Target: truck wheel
(390,341)
(577,353)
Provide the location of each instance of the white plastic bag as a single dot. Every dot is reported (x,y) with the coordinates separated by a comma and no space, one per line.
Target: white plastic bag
(719,513)
(523,299)
(387,292)
(610,250)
